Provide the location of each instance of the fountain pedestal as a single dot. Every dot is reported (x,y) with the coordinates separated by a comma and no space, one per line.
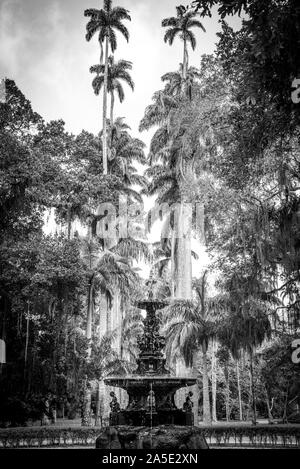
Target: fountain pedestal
(163,437)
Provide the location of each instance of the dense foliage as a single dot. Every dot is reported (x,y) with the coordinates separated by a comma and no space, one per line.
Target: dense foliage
(44,278)
(235,124)
(226,140)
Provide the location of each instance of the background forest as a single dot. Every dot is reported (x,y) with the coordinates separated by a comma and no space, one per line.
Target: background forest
(226,139)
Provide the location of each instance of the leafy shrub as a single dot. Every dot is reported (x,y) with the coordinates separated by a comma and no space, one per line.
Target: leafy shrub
(16,412)
(261,435)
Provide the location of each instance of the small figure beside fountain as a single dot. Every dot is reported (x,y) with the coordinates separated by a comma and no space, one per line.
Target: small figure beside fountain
(188,409)
(188,405)
(115,409)
(114,405)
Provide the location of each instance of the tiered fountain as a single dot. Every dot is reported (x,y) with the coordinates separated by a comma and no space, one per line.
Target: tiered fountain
(151,419)
(151,388)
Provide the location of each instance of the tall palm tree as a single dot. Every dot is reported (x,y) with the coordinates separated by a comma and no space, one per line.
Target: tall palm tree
(167,147)
(117,72)
(105,22)
(181,26)
(190,326)
(166,183)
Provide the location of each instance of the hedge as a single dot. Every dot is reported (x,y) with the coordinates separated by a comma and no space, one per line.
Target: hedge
(48,436)
(260,435)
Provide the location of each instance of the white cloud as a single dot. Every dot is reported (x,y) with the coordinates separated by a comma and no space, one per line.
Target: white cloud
(43,48)
(12,39)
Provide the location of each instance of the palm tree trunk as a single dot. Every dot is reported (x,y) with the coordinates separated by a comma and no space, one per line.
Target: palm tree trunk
(27,340)
(183,285)
(101,52)
(87,391)
(112,104)
(3,338)
(227,393)
(195,389)
(182,263)
(98,406)
(252,389)
(173,242)
(206,400)
(108,317)
(214,381)
(86,405)
(89,318)
(184,65)
(105,109)
(26,373)
(284,416)
(269,406)
(69,222)
(239,390)
(86,415)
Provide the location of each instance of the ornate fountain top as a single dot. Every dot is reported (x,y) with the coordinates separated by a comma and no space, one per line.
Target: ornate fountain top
(151,359)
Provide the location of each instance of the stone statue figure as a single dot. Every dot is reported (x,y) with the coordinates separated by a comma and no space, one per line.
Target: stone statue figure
(115,409)
(188,405)
(114,405)
(151,404)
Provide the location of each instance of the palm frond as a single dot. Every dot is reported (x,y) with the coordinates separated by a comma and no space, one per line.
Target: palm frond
(138,180)
(132,193)
(196,23)
(170,35)
(91,12)
(169,22)
(120,90)
(97,69)
(112,39)
(122,29)
(125,76)
(135,249)
(97,84)
(159,140)
(119,14)
(190,36)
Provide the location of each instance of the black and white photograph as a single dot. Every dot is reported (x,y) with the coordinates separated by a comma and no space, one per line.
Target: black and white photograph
(149,229)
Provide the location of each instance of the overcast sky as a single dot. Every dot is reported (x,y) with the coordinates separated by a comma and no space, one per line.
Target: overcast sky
(43,48)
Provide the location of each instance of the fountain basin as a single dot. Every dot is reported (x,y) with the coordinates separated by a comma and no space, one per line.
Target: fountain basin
(158,381)
(138,389)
